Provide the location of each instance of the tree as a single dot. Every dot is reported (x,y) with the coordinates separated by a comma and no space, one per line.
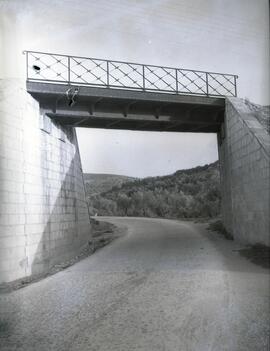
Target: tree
(123,202)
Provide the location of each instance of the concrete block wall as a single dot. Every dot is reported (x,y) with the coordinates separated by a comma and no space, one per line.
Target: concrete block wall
(43,213)
(244,152)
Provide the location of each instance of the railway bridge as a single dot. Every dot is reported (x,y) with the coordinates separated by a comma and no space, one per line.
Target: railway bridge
(44,216)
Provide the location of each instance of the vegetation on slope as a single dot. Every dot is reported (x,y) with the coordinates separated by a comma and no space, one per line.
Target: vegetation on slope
(100,183)
(185,194)
(262,113)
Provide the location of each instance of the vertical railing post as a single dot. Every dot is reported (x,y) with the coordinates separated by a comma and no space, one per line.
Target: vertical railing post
(27,73)
(206,80)
(143,76)
(108,74)
(68,69)
(235,87)
(176,81)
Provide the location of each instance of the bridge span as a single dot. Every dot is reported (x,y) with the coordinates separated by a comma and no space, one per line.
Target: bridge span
(89,92)
(44,216)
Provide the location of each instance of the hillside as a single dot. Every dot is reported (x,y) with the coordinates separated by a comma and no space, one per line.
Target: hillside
(187,193)
(99,183)
(262,113)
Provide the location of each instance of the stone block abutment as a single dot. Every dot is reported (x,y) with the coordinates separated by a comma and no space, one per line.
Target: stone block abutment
(44,216)
(244,153)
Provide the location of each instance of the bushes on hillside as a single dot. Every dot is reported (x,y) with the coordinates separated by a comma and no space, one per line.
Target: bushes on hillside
(185,194)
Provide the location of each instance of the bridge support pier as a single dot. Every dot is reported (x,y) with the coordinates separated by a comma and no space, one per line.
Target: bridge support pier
(43,212)
(244,152)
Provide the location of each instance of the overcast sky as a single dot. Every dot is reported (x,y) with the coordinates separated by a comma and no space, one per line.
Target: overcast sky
(230,36)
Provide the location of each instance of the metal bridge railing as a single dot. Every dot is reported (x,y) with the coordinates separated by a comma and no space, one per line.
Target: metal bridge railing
(55,68)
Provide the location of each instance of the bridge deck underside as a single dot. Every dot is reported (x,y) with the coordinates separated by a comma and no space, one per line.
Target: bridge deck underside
(95,107)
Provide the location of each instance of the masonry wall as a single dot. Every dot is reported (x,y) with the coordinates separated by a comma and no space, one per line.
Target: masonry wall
(244,154)
(43,213)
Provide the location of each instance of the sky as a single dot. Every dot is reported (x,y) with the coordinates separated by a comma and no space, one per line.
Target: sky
(230,36)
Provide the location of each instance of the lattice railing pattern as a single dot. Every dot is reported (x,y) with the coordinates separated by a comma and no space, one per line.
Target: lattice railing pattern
(56,68)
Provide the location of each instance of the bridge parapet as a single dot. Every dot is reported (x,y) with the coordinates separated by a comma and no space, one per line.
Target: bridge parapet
(75,70)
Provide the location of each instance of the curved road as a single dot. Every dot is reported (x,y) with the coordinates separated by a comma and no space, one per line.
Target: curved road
(166,285)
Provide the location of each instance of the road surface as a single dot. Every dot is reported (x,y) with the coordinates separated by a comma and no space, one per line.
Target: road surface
(166,285)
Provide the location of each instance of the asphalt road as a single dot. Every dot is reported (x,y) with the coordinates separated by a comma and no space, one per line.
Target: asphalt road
(166,285)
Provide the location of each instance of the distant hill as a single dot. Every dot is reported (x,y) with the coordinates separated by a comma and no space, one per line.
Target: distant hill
(97,183)
(187,193)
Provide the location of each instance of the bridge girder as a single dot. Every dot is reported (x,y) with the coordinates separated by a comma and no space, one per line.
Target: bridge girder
(96,107)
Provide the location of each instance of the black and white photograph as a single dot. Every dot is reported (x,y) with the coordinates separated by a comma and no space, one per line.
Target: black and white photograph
(134,175)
